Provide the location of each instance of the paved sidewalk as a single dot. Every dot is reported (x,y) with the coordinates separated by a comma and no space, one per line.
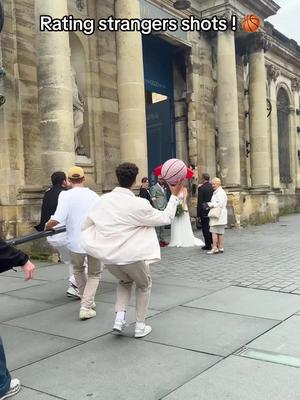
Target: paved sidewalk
(224,327)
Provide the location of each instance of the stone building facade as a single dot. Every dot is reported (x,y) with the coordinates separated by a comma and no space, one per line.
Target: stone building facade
(226,101)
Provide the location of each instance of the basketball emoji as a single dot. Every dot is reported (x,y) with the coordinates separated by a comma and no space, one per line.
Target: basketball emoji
(174,171)
(251,23)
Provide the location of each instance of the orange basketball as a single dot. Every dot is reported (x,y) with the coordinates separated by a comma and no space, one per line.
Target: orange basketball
(251,23)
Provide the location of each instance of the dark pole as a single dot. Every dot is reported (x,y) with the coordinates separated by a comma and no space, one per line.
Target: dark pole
(1,16)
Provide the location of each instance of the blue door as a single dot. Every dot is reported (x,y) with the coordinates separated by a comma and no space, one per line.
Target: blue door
(158,71)
(160,137)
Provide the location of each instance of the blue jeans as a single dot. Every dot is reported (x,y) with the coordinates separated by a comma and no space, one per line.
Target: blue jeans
(4,374)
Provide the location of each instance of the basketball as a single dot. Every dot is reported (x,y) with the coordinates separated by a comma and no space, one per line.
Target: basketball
(251,23)
(174,171)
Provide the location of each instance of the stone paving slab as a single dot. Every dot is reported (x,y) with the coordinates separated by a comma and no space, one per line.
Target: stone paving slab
(23,346)
(12,307)
(238,378)
(8,284)
(253,302)
(162,296)
(177,281)
(115,368)
(29,394)
(245,262)
(283,339)
(206,331)
(54,292)
(64,321)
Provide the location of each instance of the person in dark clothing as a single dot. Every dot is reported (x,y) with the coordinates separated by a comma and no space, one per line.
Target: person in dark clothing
(144,191)
(59,183)
(205,192)
(10,258)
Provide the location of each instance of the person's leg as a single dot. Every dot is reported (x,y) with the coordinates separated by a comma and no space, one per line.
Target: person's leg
(124,287)
(215,241)
(158,232)
(221,242)
(92,283)
(5,378)
(79,271)
(140,273)
(206,233)
(123,295)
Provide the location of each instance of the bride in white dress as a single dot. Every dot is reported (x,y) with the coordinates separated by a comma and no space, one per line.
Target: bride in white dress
(181,229)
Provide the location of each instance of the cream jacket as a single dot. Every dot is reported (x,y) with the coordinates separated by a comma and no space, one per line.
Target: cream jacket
(219,199)
(120,228)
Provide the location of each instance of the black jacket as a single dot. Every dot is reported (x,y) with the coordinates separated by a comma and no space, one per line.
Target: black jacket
(49,206)
(205,193)
(144,193)
(10,257)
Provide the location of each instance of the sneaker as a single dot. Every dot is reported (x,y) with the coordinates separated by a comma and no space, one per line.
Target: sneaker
(221,250)
(87,313)
(15,387)
(213,252)
(141,331)
(119,325)
(73,292)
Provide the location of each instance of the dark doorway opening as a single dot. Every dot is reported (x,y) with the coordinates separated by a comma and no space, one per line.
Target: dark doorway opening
(159,87)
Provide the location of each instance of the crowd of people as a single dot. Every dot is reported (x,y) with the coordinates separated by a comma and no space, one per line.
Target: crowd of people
(211,213)
(120,231)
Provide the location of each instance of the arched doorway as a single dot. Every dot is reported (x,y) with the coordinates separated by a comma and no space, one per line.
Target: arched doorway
(283,135)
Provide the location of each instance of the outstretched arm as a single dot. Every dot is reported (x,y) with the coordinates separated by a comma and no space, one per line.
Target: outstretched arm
(148,216)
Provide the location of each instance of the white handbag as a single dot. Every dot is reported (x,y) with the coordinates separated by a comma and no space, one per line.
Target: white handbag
(215,212)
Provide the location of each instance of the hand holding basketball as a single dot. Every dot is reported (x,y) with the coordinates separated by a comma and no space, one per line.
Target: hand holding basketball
(175,190)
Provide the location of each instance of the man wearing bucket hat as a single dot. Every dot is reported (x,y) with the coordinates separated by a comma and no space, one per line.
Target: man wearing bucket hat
(72,209)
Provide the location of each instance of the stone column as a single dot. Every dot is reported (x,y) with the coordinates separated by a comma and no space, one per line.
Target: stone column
(228,120)
(273,74)
(55,91)
(131,91)
(260,148)
(295,144)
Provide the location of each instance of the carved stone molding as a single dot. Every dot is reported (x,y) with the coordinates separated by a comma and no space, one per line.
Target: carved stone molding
(259,41)
(295,84)
(253,42)
(273,73)
(80,5)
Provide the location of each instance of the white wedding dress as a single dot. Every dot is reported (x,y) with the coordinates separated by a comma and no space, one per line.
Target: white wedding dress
(181,230)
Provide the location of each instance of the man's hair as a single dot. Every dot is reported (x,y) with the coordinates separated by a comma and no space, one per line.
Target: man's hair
(145,179)
(79,180)
(126,174)
(206,177)
(57,178)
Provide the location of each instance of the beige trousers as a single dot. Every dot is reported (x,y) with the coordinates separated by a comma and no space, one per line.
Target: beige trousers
(138,272)
(87,286)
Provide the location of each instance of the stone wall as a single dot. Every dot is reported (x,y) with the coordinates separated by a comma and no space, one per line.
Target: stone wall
(107,133)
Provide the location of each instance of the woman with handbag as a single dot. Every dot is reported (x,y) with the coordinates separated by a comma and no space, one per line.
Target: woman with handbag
(217,216)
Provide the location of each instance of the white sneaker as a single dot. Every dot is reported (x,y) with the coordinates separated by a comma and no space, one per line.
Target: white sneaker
(73,292)
(15,387)
(119,325)
(142,330)
(213,252)
(87,313)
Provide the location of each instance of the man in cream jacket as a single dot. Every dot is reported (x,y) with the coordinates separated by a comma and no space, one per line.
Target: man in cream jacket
(120,231)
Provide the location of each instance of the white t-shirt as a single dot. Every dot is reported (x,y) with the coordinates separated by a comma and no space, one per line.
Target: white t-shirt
(72,209)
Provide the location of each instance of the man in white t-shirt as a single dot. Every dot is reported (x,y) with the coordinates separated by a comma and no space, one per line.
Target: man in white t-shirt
(72,209)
